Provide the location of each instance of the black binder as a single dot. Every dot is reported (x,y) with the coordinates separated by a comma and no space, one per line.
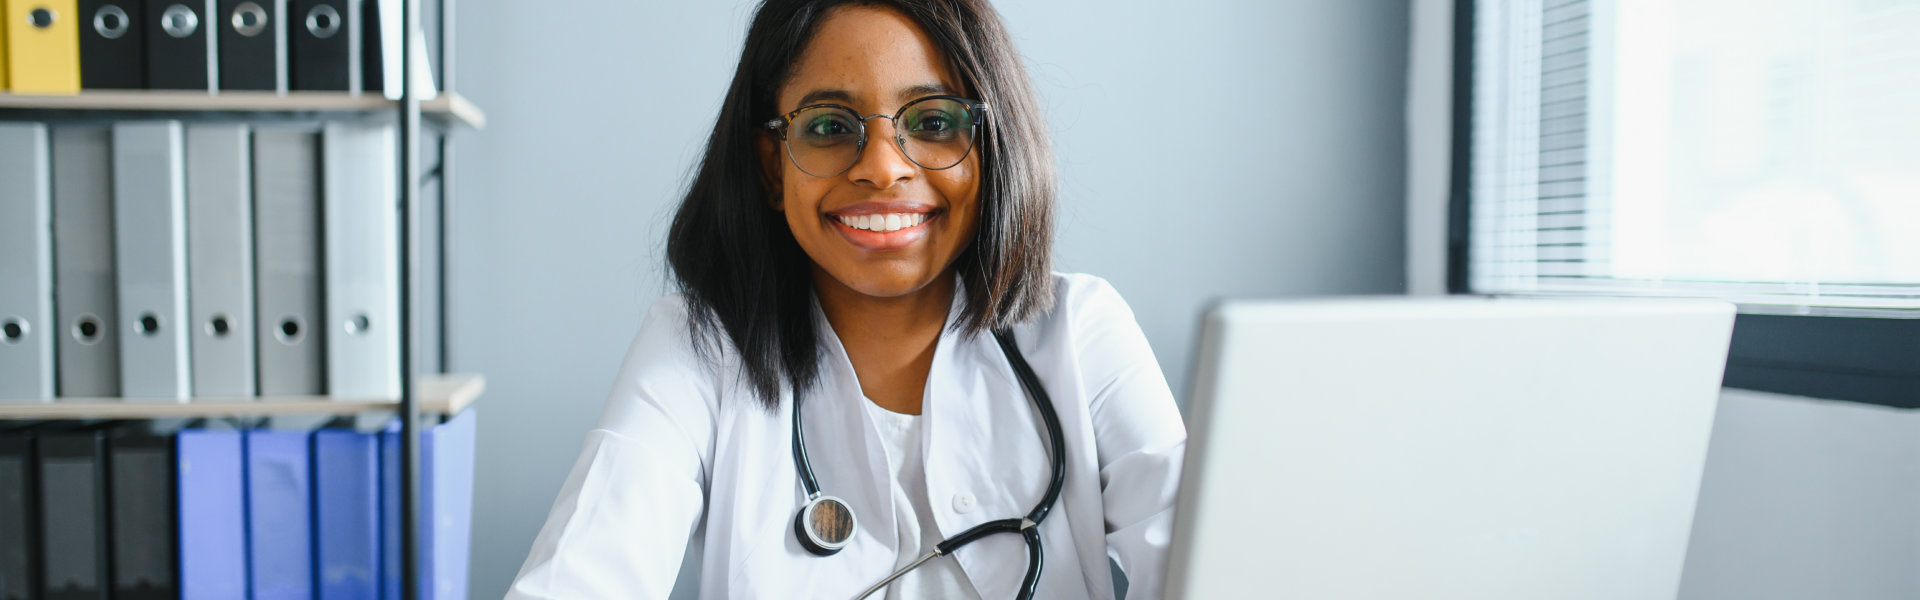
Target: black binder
(325,41)
(19,532)
(73,510)
(112,45)
(253,44)
(179,44)
(141,510)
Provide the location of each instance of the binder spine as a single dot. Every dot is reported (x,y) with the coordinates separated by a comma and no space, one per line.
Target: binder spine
(43,46)
(324,40)
(362,245)
(253,44)
(86,307)
(151,256)
(73,528)
(26,265)
(19,516)
(181,46)
(141,500)
(220,260)
(210,482)
(112,44)
(290,340)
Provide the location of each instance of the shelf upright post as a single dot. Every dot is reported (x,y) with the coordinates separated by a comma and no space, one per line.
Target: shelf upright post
(444,213)
(410,575)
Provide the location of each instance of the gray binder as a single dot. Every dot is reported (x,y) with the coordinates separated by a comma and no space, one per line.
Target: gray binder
(286,215)
(150,256)
(26,265)
(220,260)
(363,279)
(87,350)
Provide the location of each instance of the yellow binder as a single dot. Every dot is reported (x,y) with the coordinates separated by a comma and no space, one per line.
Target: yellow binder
(43,46)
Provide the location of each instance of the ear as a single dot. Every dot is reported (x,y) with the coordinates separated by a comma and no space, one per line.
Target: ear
(771,165)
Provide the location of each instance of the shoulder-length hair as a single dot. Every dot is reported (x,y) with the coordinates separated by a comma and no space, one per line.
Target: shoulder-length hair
(734,259)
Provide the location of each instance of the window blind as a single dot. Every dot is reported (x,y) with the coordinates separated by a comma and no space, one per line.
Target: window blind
(1762,151)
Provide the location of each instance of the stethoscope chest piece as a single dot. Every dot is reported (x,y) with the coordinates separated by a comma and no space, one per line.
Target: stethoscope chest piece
(824,525)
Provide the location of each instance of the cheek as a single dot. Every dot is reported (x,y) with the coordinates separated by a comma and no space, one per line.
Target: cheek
(960,185)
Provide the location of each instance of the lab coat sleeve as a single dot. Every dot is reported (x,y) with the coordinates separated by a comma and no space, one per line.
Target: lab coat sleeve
(635,495)
(1138,432)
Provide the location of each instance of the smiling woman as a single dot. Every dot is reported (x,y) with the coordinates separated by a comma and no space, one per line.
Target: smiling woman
(864,255)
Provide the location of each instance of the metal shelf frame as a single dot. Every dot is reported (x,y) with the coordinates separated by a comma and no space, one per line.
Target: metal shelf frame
(433,394)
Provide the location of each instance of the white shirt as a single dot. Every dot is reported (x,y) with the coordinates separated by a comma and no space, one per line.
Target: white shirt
(682,440)
(940,577)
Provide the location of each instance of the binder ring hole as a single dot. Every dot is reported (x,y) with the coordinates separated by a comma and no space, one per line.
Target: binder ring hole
(86,329)
(323,21)
(358,324)
(249,19)
(289,330)
(149,325)
(40,18)
(111,22)
(179,21)
(15,329)
(219,327)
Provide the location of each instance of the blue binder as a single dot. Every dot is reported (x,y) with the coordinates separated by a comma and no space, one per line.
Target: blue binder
(446,506)
(346,486)
(279,509)
(212,503)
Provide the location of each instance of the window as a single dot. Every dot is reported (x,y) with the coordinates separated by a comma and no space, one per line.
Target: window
(1762,151)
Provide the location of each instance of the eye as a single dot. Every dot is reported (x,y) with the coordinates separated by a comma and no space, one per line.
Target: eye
(827,126)
(932,121)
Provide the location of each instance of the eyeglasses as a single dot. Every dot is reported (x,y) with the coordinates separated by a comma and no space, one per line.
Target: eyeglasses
(825,140)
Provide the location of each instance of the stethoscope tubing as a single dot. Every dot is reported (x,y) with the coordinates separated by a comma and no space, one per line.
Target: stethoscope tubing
(1027,527)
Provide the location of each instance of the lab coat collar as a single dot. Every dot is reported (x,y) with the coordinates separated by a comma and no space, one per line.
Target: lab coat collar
(839,401)
(975,417)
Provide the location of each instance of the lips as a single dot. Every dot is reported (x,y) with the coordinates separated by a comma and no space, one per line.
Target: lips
(883,226)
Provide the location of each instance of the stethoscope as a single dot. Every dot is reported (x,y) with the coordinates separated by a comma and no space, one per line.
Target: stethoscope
(825,523)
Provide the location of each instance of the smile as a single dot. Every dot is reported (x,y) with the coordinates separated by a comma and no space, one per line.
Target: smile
(884,223)
(884,231)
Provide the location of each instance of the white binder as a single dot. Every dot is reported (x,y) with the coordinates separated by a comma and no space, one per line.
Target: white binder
(150,255)
(26,265)
(360,187)
(220,260)
(289,339)
(87,351)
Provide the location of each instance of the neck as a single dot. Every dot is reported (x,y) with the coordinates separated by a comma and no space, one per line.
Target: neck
(863,320)
(890,340)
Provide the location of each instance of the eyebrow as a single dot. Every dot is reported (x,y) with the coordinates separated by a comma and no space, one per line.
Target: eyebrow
(905,94)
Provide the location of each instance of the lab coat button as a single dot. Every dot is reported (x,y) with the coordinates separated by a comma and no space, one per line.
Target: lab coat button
(963,503)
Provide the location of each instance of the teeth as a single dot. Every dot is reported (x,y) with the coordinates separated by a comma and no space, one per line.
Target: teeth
(884,223)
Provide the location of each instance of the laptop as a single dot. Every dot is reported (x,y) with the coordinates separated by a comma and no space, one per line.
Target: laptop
(1463,447)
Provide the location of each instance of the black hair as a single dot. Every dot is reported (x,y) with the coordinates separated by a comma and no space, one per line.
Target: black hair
(744,278)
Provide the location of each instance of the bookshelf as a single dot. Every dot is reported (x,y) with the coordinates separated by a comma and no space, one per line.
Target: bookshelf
(437,394)
(447,109)
(421,393)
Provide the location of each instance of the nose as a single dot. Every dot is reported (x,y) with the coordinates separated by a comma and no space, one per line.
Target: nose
(881,163)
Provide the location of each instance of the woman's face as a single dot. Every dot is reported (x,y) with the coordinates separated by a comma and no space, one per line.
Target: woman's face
(874,60)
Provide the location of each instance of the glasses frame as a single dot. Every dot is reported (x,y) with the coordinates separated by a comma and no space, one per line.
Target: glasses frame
(781,124)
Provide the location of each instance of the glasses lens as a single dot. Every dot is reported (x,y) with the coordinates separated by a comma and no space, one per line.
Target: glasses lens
(936,132)
(824,141)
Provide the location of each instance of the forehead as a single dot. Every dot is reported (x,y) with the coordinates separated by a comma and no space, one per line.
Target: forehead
(872,58)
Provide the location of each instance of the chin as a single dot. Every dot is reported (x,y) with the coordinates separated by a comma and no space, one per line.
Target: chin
(884,281)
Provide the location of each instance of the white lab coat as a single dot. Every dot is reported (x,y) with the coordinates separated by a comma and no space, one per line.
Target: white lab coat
(680,441)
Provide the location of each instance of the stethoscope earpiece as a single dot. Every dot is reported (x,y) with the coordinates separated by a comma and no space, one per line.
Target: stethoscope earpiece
(824,525)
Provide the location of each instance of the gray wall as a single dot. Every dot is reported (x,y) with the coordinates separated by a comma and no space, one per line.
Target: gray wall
(1222,148)
(1802,498)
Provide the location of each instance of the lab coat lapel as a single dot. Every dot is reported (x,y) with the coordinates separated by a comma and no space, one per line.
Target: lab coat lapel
(984,445)
(844,446)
